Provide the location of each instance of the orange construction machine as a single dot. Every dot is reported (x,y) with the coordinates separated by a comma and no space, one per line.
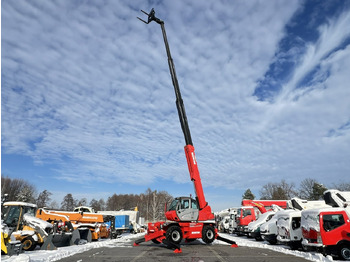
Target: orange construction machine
(91,226)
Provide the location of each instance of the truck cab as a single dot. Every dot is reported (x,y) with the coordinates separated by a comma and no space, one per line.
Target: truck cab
(327,230)
(244,216)
(183,209)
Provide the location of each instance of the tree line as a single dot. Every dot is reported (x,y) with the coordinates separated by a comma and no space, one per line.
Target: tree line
(309,189)
(151,203)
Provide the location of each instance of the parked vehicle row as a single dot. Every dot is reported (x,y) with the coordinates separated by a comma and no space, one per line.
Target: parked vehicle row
(322,226)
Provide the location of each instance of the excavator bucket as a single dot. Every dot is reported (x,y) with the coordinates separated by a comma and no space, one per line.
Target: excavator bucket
(66,239)
(48,244)
(85,234)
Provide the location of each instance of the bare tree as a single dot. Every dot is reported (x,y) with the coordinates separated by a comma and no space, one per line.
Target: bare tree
(102,205)
(150,204)
(68,203)
(342,186)
(17,189)
(82,202)
(54,205)
(26,194)
(278,191)
(305,189)
(97,205)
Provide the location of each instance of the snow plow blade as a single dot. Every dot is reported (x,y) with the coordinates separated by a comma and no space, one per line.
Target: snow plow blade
(66,239)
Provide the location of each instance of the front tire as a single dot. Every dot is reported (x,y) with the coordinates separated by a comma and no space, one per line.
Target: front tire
(208,234)
(344,252)
(174,234)
(28,244)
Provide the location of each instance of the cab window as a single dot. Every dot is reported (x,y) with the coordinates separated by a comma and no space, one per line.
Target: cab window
(194,204)
(11,218)
(247,212)
(185,203)
(332,221)
(173,205)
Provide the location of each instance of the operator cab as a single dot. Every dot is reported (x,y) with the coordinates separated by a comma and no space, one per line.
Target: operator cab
(183,209)
(14,211)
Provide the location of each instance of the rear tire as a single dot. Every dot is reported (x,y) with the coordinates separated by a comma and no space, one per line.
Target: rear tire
(208,234)
(174,234)
(344,251)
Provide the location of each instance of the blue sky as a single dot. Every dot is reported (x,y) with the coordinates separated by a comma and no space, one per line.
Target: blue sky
(88,106)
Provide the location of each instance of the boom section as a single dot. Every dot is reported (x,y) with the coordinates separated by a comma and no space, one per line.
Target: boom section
(189,149)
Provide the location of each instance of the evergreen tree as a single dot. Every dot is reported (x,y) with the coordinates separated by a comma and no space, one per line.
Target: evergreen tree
(248,195)
(317,191)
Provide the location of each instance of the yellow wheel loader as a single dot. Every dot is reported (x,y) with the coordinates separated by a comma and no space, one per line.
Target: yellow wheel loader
(20,229)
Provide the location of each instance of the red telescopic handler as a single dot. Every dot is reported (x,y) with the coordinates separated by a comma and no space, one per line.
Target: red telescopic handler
(186,218)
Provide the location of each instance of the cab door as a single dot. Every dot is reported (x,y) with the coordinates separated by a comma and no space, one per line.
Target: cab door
(334,227)
(187,210)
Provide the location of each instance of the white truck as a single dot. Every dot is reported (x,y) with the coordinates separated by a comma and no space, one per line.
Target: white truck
(327,230)
(288,222)
(254,227)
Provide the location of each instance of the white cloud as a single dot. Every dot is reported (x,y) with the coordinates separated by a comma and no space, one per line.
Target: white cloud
(87,87)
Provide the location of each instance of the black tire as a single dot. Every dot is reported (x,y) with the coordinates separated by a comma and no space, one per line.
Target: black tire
(208,234)
(174,234)
(344,251)
(258,238)
(28,244)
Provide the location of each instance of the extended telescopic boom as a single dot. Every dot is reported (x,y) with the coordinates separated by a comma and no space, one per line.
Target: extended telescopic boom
(189,149)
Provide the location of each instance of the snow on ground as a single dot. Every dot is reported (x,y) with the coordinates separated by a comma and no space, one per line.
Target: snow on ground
(125,239)
(62,252)
(251,242)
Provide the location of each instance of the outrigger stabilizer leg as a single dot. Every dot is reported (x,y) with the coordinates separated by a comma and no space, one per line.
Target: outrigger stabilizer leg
(167,243)
(229,241)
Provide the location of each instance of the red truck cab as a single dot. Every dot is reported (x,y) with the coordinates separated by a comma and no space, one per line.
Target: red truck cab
(251,210)
(327,230)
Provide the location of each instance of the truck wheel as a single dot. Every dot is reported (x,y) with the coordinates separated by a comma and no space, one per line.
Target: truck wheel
(208,234)
(174,234)
(258,238)
(344,251)
(28,244)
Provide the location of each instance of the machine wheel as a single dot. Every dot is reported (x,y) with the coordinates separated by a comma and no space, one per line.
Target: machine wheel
(208,234)
(28,244)
(174,234)
(344,252)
